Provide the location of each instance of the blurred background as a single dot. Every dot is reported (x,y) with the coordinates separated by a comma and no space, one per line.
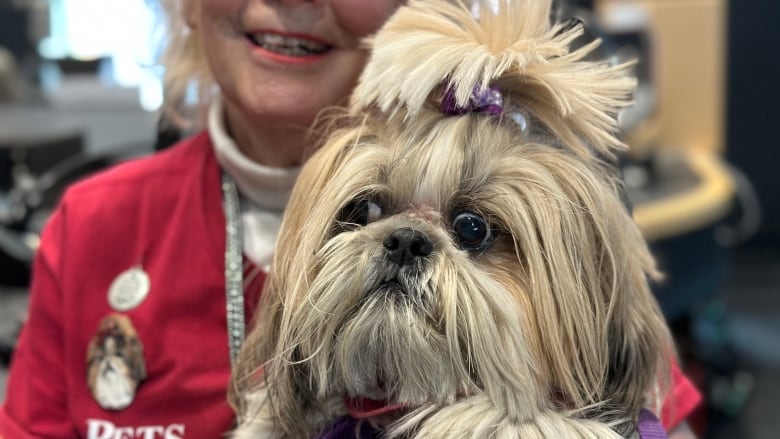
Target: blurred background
(80,91)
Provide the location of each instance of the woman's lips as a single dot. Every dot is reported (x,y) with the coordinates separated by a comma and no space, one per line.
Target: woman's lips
(289,48)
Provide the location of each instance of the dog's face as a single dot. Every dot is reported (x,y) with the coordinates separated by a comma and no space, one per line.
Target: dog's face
(459,256)
(419,273)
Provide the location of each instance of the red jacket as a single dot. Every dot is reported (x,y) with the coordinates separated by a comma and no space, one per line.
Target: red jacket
(165,213)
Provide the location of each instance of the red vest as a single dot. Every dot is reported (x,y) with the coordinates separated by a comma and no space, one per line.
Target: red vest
(163,212)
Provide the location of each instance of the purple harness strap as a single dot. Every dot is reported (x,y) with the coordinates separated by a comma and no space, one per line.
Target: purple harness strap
(649,427)
(347,427)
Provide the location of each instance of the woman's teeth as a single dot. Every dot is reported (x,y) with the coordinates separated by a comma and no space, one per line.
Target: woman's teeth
(290,46)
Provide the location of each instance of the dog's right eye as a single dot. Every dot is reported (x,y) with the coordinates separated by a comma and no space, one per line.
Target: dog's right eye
(360,213)
(472,231)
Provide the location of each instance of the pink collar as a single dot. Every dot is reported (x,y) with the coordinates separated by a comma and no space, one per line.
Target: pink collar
(363,408)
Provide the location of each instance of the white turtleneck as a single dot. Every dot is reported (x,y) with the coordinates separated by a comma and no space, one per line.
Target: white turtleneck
(264,190)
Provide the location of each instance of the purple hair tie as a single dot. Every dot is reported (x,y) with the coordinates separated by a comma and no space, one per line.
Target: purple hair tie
(486,100)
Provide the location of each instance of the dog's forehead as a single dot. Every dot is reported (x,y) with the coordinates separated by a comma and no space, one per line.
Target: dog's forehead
(448,159)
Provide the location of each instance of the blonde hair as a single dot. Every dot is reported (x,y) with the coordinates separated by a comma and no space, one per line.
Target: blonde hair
(186,69)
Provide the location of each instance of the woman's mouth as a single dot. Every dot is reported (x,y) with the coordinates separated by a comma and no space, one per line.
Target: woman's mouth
(289,46)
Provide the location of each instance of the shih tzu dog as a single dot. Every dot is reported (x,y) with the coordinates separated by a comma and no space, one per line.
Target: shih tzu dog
(457,260)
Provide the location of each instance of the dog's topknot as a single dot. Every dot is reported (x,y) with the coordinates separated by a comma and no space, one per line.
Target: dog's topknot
(509,43)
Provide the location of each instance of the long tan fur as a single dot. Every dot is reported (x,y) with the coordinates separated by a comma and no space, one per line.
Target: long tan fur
(550,331)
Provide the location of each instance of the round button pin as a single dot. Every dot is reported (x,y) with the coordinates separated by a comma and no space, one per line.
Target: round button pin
(129,289)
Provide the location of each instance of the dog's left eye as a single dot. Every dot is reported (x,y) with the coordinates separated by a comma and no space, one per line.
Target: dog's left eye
(361,212)
(472,231)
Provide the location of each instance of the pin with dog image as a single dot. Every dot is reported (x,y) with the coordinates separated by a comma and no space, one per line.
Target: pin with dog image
(115,363)
(456,260)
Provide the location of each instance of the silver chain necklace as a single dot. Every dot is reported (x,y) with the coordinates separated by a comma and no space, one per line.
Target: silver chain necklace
(234,273)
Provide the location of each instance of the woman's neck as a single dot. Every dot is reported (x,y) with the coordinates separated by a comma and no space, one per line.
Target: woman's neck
(267,142)
(267,186)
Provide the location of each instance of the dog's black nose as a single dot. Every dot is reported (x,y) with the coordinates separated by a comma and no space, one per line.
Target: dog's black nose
(405,245)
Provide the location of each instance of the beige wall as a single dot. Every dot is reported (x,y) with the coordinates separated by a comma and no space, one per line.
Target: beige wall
(689,54)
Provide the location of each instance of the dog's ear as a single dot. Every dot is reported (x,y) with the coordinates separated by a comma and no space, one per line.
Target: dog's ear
(639,356)
(307,194)
(601,337)
(639,347)
(269,362)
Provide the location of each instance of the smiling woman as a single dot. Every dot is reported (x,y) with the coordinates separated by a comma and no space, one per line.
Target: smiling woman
(277,65)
